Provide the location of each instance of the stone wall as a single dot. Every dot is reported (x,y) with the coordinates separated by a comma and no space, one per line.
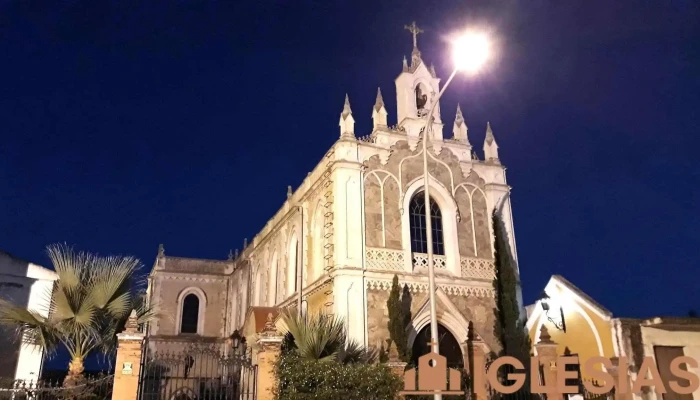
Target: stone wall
(383,195)
(478,310)
(481,312)
(377,317)
(216,292)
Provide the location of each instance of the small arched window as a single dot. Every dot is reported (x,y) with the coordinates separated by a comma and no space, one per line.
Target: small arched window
(419,240)
(190,314)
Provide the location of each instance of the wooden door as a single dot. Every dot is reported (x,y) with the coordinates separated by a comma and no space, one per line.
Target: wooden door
(664,355)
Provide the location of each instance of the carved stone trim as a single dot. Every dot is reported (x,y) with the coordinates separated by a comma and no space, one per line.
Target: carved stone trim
(419,287)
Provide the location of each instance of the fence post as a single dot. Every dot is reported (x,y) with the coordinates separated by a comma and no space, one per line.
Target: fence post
(547,354)
(269,351)
(128,364)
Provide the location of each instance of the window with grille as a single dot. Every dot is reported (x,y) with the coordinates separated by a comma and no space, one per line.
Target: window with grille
(190,314)
(419,240)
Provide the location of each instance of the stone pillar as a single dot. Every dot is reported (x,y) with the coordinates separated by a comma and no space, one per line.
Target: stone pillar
(547,355)
(128,363)
(269,350)
(395,364)
(615,373)
(477,350)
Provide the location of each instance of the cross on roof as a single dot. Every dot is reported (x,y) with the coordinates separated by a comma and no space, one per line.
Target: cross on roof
(413,28)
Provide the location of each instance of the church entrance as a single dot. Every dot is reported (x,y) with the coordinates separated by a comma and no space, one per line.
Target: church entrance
(449,347)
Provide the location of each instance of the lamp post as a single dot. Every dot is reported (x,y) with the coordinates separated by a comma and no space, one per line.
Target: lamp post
(469,53)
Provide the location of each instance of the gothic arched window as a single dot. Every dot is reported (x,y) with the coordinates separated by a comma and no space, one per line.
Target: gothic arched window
(190,314)
(419,240)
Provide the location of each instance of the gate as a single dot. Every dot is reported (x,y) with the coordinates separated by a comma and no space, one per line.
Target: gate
(196,369)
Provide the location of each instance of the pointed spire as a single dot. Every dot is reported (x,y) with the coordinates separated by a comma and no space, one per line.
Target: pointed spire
(405,64)
(432,71)
(230,255)
(161,251)
(460,127)
(346,107)
(490,146)
(347,122)
(289,191)
(379,102)
(379,113)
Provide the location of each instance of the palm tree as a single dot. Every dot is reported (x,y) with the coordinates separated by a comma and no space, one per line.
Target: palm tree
(324,338)
(90,303)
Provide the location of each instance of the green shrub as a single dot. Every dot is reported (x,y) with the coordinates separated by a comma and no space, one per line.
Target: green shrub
(305,379)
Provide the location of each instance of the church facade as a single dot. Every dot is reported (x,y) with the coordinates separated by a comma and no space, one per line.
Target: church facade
(357,220)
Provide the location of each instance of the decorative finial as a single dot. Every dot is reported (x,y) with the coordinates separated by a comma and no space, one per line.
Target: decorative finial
(490,146)
(132,325)
(545,338)
(289,191)
(235,254)
(347,122)
(269,329)
(161,251)
(405,64)
(379,113)
(245,243)
(230,255)
(346,107)
(432,71)
(460,127)
(379,102)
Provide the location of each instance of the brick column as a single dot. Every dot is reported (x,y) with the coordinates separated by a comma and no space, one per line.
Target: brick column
(128,364)
(547,355)
(269,350)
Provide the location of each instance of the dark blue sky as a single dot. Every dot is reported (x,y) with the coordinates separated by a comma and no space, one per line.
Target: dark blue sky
(129,124)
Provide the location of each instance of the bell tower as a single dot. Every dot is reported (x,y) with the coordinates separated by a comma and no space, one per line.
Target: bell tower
(416,89)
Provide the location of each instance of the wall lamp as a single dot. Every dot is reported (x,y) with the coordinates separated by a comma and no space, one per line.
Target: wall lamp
(550,308)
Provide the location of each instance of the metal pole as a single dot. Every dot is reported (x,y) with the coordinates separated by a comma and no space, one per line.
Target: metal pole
(428,225)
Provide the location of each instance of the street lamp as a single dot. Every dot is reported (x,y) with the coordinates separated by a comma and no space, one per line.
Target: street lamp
(469,53)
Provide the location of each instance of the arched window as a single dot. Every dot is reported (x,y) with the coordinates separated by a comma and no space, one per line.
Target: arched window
(419,240)
(190,314)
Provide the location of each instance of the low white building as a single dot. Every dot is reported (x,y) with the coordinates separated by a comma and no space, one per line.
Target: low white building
(28,285)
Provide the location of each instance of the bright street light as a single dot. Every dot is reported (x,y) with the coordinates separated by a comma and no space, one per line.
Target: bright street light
(470,52)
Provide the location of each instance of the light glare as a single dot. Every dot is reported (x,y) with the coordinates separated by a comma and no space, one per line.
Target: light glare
(470,52)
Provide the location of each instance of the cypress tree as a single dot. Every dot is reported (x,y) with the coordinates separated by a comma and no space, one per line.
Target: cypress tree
(509,328)
(397,320)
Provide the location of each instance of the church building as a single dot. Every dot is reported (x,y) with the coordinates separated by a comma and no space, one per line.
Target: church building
(357,220)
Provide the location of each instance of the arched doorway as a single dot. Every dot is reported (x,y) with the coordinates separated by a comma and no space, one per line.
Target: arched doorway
(449,346)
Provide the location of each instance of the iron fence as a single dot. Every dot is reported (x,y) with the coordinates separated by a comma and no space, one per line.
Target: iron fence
(196,369)
(94,388)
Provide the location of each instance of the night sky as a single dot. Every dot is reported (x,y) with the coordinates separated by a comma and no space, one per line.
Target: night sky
(129,124)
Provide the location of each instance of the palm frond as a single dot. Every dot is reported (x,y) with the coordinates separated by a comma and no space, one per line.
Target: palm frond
(29,325)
